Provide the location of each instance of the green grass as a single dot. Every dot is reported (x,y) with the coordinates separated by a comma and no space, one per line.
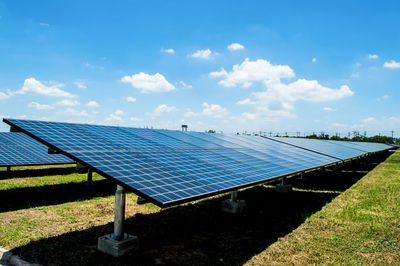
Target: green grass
(361,226)
(54,212)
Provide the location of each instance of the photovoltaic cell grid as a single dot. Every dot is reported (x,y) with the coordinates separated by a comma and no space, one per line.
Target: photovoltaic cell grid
(18,149)
(338,149)
(171,167)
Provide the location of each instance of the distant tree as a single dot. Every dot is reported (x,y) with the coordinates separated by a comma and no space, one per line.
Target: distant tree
(210,131)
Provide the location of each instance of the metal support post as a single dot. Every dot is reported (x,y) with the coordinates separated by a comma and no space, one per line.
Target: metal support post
(301,176)
(234,195)
(8,169)
(118,243)
(233,205)
(119,213)
(336,167)
(282,187)
(89,177)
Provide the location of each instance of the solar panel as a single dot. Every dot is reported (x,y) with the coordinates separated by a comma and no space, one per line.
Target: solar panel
(341,152)
(171,167)
(17,149)
(364,146)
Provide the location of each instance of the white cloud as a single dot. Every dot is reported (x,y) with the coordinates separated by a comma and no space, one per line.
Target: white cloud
(114,118)
(202,54)
(73,112)
(190,113)
(235,47)
(35,86)
(136,119)
(246,101)
(6,95)
(149,83)
(67,102)
(130,99)
(168,51)
(302,89)
(92,104)
(373,56)
(90,66)
(44,24)
(329,109)
(250,71)
(184,85)
(163,108)
(214,110)
(384,97)
(39,106)
(392,64)
(314,60)
(119,112)
(278,98)
(358,64)
(250,116)
(80,84)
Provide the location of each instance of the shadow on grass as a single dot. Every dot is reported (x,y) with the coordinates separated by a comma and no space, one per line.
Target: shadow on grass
(37,172)
(199,234)
(22,198)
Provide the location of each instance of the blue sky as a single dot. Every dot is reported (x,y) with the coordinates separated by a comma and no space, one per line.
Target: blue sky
(280,66)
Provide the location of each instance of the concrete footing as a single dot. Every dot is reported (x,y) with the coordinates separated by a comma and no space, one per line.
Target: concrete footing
(233,206)
(117,248)
(283,188)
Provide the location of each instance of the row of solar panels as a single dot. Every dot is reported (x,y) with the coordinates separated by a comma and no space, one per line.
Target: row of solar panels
(18,149)
(170,167)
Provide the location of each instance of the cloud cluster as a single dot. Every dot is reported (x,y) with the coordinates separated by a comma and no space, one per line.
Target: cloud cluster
(278,97)
(149,83)
(392,64)
(214,110)
(168,51)
(31,85)
(163,108)
(39,106)
(235,47)
(251,71)
(202,54)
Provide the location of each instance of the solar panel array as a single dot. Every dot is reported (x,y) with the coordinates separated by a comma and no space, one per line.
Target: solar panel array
(338,149)
(170,167)
(18,149)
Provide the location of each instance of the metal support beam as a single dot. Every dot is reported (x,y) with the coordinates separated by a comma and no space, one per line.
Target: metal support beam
(8,169)
(90,177)
(118,243)
(119,213)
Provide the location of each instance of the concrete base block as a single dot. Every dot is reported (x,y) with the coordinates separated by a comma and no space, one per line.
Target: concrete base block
(230,206)
(283,188)
(116,248)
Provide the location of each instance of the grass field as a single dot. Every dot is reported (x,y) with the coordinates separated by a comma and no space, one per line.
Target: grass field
(50,216)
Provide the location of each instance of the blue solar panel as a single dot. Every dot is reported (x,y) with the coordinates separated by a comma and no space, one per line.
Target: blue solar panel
(170,167)
(18,149)
(341,152)
(364,146)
